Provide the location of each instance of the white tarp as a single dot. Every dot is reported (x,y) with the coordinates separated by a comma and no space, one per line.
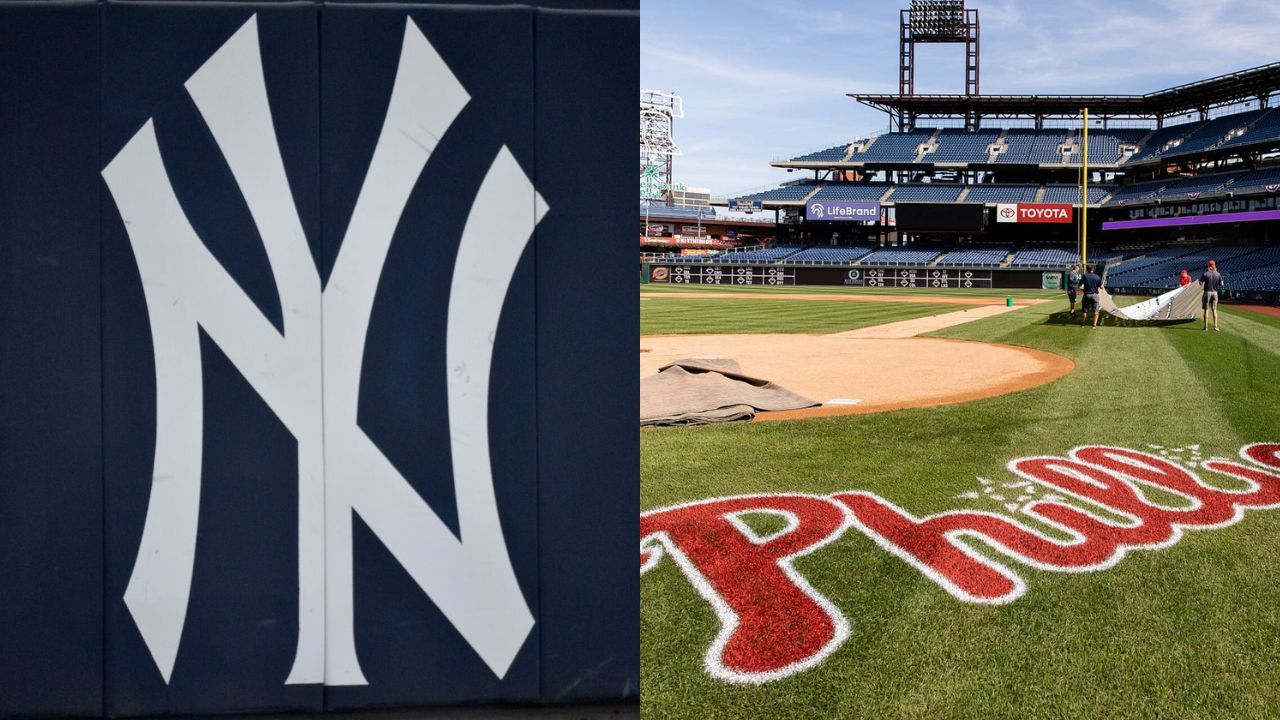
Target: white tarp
(1179,304)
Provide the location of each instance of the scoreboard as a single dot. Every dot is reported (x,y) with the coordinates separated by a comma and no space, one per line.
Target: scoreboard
(918,277)
(724,275)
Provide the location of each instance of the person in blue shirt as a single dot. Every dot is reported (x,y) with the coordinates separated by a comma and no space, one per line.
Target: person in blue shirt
(1093,287)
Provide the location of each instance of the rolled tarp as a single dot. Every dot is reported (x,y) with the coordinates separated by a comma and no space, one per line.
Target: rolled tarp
(697,391)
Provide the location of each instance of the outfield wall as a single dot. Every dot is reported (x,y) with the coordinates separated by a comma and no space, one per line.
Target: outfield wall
(291,409)
(868,276)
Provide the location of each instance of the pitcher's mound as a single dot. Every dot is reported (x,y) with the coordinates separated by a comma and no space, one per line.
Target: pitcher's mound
(878,373)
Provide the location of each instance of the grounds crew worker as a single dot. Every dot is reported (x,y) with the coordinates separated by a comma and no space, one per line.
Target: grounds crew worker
(1093,287)
(1212,282)
(1071,283)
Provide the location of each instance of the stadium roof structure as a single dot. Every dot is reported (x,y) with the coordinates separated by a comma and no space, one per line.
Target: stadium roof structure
(1256,83)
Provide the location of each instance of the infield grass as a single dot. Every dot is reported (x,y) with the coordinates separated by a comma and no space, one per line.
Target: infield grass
(678,316)
(1191,631)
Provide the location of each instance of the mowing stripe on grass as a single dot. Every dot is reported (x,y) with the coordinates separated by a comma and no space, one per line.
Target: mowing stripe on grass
(1192,631)
(682,316)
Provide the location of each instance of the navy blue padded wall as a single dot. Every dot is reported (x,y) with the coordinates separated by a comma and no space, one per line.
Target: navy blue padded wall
(588,311)
(50,402)
(409,651)
(78,385)
(241,624)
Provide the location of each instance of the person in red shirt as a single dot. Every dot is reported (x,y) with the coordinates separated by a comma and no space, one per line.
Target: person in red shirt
(1184,279)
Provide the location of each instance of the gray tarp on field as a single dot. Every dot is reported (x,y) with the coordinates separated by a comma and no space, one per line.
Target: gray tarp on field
(707,390)
(1179,304)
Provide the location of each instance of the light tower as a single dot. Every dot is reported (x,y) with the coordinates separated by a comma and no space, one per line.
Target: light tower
(658,113)
(936,21)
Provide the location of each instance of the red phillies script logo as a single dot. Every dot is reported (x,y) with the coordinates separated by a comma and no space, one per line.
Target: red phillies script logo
(1044,212)
(773,623)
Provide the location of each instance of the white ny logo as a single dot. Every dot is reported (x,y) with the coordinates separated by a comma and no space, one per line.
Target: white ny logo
(314,388)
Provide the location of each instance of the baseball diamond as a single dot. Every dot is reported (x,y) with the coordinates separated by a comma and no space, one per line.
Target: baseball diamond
(1026,538)
(960,400)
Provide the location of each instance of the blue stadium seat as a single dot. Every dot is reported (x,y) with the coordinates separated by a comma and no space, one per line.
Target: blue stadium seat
(767,255)
(1104,145)
(1265,128)
(852,192)
(925,192)
(900,256)
(1154,147)
(1211,134)
(962,146)
(1071,193)
(1159,269)
(1257,181)
(1047,257)
(1001,193)
(677,211)
(832,154)
(1027,146)
(894,147)
(975,256)
(829,255)
(1137,192)
(786,193)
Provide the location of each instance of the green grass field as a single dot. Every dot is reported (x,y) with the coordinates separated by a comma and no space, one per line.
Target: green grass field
(1191,631)
(673,316)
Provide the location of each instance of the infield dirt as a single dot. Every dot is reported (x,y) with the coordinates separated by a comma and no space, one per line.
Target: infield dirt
(883,367)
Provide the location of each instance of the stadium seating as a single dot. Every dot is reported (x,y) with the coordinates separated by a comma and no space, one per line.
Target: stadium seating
(852,192)
(1202,185)
(1257,271)
(786,193)
(1042,147)
(1044,257)
(1264,129)
(1257,181)
(975,256)
(676,211)
(1245,268)
(767,255)
(1159,269)
(1071,193)
(962,146)
(1140,269)
(1237,182)
(834,154)
(900,256)
(894,147)
(829,255)
(1137,192)
(1028,146)
(1209,135)
(1104,145)
(925,192)
(1153,148)
(1001,193)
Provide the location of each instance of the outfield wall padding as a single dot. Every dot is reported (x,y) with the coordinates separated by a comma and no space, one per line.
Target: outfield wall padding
(291,387)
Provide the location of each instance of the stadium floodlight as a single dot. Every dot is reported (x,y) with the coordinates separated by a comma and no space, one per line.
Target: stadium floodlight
(936,21)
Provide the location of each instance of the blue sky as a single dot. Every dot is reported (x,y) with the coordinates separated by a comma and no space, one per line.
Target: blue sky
(764,79)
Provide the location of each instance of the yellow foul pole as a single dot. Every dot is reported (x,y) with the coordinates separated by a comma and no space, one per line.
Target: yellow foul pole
(1084,195)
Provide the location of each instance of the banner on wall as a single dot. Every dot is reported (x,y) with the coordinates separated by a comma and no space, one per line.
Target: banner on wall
(1034,212)
(832,211)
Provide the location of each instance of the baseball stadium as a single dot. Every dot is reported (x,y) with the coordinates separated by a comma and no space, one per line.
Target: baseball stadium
(889,466)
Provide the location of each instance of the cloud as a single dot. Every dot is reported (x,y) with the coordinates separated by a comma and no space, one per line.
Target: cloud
(766,78)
